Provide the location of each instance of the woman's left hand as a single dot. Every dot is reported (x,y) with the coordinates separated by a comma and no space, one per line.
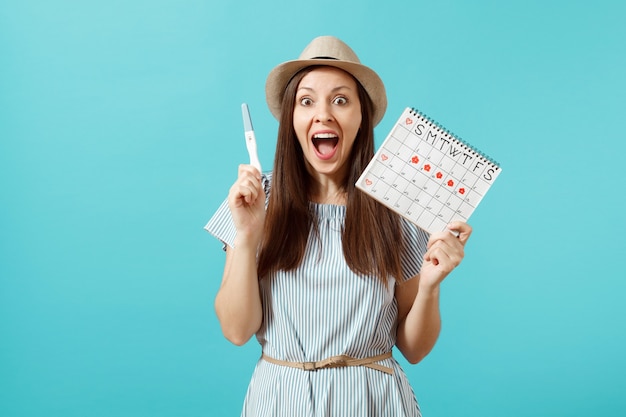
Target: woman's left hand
(445,251)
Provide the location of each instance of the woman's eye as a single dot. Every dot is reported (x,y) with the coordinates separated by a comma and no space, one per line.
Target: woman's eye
(305,101)
(340,100)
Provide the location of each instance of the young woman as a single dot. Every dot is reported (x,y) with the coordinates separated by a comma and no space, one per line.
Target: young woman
(328,279)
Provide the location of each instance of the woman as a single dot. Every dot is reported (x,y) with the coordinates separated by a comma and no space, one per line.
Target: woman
(328,279)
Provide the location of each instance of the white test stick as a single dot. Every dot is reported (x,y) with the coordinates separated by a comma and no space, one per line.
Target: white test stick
(250,138)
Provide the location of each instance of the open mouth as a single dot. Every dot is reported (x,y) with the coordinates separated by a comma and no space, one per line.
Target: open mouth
(325,143)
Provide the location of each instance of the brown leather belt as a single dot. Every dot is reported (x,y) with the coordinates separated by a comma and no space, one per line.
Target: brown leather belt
(335,362)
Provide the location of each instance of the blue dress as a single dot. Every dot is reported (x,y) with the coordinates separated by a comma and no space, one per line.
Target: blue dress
(323,309)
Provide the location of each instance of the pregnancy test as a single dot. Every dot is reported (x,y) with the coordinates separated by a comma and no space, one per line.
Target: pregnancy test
(250,138)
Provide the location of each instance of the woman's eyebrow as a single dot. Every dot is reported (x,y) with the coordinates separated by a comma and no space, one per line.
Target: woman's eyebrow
(340,87)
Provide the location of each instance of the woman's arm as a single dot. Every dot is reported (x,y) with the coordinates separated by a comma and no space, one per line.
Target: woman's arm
(419,319)
(238,301)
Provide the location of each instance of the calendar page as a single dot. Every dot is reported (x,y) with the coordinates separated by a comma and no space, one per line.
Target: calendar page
(427,174)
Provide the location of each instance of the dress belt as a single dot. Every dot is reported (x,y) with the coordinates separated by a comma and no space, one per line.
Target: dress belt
(335,362)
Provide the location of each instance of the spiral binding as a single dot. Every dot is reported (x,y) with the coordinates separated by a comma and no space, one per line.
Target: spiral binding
(450,134)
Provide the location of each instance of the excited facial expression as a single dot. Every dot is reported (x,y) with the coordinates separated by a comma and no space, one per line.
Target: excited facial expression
(326,119)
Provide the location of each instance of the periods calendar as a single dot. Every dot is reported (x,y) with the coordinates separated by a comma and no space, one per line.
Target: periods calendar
(427,174)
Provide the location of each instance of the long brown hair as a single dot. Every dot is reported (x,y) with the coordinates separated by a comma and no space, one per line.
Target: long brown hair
(372,235)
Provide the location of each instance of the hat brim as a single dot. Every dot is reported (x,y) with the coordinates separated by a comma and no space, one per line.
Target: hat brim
(280,76)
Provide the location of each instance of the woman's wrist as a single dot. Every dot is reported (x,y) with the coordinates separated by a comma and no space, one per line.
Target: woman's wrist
(247,240)
(427,290)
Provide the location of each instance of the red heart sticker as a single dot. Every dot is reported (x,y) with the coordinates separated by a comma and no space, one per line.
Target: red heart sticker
(461,190)
(384,157)
(368,181)
(415,159)
(439,175)
(409,121)
(450,183)
(427,167)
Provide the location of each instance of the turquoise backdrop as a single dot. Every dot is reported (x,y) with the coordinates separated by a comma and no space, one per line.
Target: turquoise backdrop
(121,132)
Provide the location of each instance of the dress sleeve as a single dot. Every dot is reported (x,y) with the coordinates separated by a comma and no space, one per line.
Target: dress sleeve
(221,224)
(416,241)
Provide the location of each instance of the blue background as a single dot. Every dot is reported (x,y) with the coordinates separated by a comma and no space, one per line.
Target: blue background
(120,134)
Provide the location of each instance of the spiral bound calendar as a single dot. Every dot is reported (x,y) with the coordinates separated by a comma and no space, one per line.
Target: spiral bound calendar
(427,174)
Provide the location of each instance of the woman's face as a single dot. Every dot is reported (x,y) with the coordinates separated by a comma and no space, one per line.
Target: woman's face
(326,119)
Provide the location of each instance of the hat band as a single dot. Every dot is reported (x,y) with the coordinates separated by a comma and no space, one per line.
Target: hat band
(325,57)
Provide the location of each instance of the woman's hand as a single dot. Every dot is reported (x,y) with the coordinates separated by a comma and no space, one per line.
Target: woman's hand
(445,251)
(246,201)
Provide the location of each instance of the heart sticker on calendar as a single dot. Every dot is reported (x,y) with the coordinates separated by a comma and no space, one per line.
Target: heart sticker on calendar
(439,175)
(368,181)
(427,167)
(409,121)
(450,183)
(415,159)
(461,190)
(384,157)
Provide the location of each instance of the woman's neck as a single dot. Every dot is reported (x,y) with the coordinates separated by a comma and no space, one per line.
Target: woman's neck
(325,191)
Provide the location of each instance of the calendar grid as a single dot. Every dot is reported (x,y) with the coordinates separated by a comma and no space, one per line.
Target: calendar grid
(426,174)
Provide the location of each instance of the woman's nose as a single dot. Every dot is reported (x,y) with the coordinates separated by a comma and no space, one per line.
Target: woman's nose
(324,113)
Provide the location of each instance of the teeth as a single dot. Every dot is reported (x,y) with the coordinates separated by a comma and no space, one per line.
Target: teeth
(325,136)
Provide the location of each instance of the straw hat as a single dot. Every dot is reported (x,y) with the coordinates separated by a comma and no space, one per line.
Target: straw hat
(330,51)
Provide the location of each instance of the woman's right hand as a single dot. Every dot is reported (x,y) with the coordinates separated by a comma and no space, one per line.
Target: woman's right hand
(246,200)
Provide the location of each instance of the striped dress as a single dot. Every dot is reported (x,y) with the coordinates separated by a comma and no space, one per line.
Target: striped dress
(323,309)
